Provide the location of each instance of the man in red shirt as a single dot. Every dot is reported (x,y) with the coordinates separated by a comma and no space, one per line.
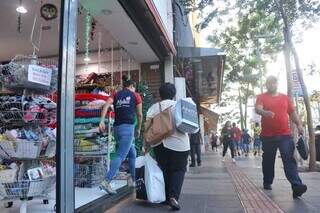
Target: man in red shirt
(276,109)
(236,139)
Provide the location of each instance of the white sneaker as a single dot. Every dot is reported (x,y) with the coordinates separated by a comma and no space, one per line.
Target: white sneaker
(233,160)
(105,186)
(223,159)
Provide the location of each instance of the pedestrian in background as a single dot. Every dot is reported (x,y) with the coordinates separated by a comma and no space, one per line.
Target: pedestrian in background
(195,144)
(236,135)
(172,154)
(227,140)
(214,141)
(276,109)
(245,138)
(257,143)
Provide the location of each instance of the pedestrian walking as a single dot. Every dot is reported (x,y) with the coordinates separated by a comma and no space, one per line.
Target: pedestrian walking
(195,145)
(257,144)
(236,132)
(172,154)
(127,105)
(276,109)
(245,138)
(227,140)
(214,141)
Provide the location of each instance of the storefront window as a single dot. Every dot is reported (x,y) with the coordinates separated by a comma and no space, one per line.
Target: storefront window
(29,55)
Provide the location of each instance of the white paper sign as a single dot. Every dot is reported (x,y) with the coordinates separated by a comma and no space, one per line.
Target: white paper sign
(40,75)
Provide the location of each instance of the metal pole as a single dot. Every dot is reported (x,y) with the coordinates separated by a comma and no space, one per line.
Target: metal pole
(99,51)
(109,141)
(121,67)
(112,64)
(67,61)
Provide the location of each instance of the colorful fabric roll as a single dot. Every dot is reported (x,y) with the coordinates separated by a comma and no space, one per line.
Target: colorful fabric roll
(90,97)
(95,120)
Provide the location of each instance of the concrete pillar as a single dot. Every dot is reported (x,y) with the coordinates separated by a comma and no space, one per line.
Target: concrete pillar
(180,84)
(168,69)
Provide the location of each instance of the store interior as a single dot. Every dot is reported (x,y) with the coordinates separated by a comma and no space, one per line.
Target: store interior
(29,52)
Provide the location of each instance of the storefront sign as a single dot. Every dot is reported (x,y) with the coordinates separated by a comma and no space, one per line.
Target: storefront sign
(40,75)
(296,86)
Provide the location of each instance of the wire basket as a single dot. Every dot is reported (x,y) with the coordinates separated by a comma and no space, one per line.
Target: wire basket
(98,144)
(21,149)
(27,189)
(29,72)
(16,118)
(89,175)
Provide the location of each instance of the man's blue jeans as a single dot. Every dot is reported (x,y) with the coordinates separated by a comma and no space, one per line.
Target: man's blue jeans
(124,135)
(270,146)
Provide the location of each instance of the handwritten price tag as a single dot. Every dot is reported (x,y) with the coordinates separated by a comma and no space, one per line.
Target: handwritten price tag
(40,75)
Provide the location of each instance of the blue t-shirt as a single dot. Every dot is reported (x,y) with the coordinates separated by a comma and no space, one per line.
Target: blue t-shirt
(245,138)
(125,102)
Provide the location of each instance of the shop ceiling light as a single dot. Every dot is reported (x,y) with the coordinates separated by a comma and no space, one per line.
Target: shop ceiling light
(87,59)
(21,9)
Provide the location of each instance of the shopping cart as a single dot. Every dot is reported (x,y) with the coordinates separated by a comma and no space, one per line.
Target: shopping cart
(27,190)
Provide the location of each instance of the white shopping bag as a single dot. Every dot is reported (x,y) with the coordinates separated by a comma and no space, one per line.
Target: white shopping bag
(140,161)
(154,181)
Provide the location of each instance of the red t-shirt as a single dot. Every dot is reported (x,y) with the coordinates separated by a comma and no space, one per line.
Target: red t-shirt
(236,133)
(281,106)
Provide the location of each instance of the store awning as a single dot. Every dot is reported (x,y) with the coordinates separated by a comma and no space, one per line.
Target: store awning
(146,18)
(208,69)
(196,52)
(210,118)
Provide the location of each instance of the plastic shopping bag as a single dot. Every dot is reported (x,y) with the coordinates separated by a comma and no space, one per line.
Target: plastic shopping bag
(154,181)
(141,192)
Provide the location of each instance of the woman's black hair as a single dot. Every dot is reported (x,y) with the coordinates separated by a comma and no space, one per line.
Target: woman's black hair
(126,82)
(167,91)
(227,123)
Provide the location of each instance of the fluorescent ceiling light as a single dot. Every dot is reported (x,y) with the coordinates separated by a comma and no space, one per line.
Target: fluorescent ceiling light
(21,9)
(87,59)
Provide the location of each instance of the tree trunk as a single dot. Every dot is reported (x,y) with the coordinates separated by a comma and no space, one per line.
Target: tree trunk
(286,47)
(240,109)
(246,106)
(312,147)
(290,48)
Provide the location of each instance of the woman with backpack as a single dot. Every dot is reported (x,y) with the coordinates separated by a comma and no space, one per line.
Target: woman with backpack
(172,153)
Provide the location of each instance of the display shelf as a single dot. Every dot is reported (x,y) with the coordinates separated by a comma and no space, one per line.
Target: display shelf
(89,144)
(26,139)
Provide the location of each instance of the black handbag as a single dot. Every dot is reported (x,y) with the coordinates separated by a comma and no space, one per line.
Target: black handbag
(302,148)
(141,192)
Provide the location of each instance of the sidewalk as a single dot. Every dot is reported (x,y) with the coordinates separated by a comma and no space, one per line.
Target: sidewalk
(228,188)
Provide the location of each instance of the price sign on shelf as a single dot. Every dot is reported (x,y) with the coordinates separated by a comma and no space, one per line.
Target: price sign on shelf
(296,86)
(40,75)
